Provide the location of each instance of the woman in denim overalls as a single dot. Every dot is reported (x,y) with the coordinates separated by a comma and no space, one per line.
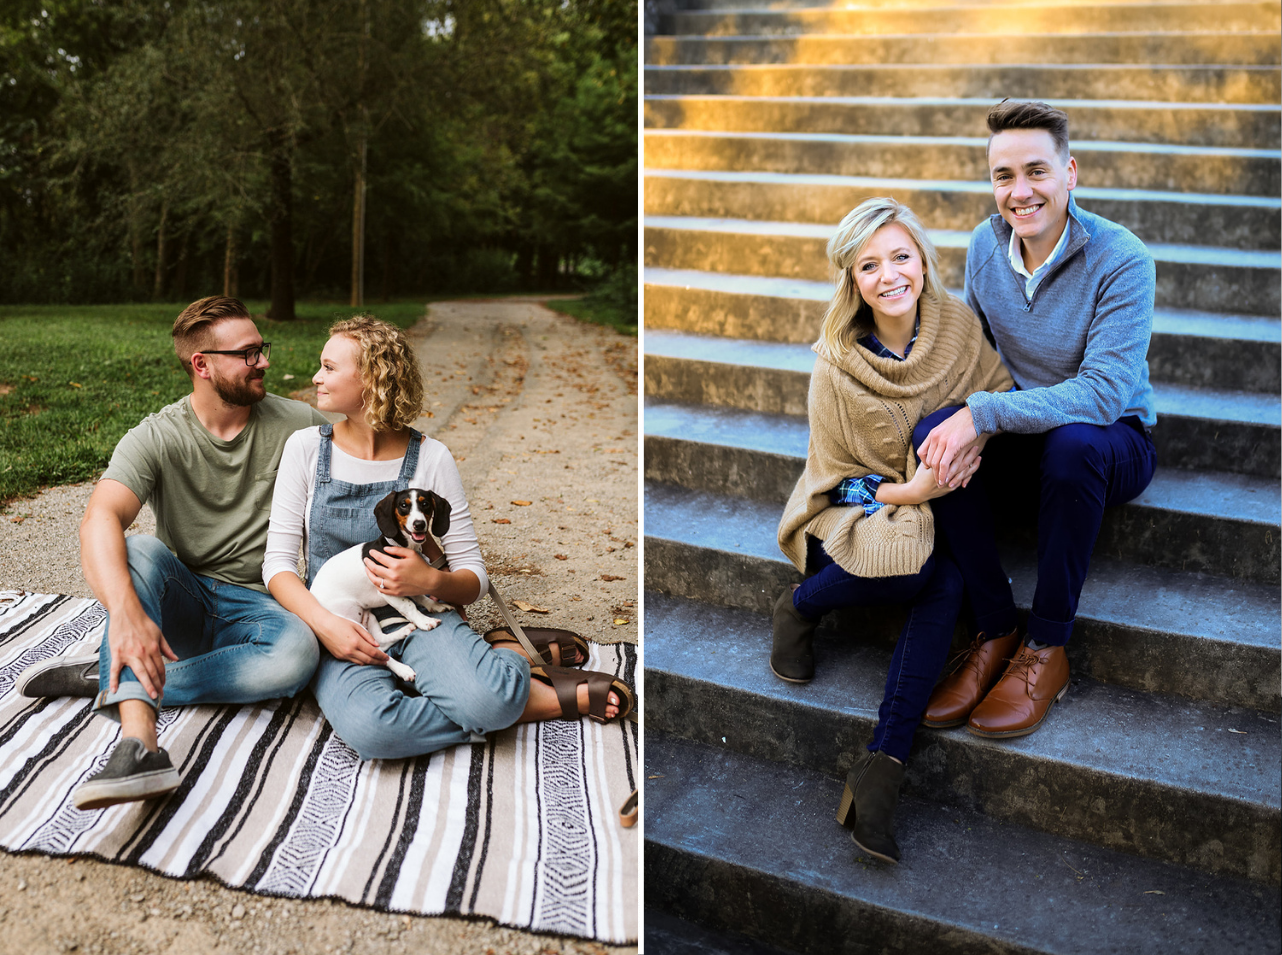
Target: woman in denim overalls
(465,687)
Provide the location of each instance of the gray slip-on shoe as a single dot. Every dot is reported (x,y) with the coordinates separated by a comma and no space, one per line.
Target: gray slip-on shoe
(61,676)
(131,774)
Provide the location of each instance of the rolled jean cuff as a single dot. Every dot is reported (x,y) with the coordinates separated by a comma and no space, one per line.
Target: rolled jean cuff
(999,622)
(1051,632)
(107,703)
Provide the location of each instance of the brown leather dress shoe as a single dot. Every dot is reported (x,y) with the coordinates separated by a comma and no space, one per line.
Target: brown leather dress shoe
(970,675)
(1019,702)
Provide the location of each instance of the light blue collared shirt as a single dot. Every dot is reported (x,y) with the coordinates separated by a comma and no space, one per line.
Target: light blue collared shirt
(1034,278)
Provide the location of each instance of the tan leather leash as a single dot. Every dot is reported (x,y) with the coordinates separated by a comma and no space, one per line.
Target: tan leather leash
(509,619)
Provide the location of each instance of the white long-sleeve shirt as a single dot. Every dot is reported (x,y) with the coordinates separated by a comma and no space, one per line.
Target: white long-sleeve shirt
(296,486)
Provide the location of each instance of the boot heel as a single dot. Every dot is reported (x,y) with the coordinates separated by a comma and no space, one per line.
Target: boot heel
(846,810)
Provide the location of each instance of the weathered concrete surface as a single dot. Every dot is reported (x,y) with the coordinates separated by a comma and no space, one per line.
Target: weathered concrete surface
(1188,84)
(1193,48)
(751,846)
(1236,125)
(1150,775)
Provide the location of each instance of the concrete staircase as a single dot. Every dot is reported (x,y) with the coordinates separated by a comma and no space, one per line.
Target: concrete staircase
(1145,816)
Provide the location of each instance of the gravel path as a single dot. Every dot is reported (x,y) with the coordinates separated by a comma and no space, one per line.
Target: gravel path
(537,408)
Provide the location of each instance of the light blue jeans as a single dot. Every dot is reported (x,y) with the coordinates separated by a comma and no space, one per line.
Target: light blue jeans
(464,688)
(234,645)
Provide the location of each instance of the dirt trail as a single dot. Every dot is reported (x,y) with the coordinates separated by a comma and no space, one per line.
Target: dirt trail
(537,408)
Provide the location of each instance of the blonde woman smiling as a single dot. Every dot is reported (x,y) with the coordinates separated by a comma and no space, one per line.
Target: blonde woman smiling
(895,351)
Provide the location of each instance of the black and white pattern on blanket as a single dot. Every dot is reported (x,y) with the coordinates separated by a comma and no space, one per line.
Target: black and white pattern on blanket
(521,828)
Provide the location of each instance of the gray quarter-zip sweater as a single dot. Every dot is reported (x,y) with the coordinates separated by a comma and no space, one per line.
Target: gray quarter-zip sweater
(1078,350)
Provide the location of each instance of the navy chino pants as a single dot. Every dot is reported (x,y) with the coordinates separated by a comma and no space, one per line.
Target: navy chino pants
(1065,477)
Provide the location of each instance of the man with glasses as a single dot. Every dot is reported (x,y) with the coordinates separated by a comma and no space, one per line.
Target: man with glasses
(189,620)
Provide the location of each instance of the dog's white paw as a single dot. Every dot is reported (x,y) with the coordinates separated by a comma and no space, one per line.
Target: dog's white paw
(401,670)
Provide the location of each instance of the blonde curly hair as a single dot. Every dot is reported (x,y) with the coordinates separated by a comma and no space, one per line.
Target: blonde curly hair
(389,371)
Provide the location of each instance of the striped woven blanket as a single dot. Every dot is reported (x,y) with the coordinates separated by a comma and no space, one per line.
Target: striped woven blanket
(522,828)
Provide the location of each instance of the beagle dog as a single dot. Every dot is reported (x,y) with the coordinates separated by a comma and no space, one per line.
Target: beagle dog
(343,587)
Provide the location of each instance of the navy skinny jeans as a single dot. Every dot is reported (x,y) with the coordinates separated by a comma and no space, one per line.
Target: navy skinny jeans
(934,595)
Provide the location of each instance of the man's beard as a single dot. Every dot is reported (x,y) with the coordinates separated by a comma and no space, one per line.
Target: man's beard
(238,392)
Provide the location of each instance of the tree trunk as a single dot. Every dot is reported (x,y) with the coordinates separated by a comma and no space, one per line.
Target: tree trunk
(135,231)
(282,227)
(229,264)
(158,286)
(358,232)
(179,288)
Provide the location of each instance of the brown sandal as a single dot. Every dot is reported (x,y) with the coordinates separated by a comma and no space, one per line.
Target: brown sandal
(566,680)
(545,637)
(628,811)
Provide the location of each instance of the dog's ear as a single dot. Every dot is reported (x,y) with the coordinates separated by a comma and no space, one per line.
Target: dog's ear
(440,514)
(385,515)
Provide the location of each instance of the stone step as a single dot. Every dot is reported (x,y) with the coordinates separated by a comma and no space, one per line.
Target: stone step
(1203,349)
(1239,222)
(1220,280)
(670,935)
(1182,85)
(1152,775)
(1231,125)
(1063,20)
(741,844)
(1237,431)
(1113,165)
(1149,628)
(914,5)
(1214,522)
(1167,48)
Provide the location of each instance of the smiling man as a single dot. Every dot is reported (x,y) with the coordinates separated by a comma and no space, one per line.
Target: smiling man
(188,615)
(1067,297)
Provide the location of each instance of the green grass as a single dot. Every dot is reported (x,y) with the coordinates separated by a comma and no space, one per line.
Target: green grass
(596,311)
(74,379)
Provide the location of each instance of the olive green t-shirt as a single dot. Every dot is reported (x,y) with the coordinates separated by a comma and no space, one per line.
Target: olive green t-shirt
(212,498)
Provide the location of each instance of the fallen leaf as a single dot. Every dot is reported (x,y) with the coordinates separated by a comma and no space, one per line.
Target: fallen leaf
(286,377)
(522,503)
(499,520)
(1239,732)
(620,621)
(560,556)
(529,607)
(1155,892)
(610,577)
(75,384)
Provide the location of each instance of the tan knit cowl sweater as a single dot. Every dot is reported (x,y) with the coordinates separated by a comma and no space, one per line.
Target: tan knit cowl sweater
(862,413)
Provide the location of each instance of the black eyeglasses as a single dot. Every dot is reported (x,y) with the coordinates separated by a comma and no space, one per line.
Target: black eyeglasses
(250,355)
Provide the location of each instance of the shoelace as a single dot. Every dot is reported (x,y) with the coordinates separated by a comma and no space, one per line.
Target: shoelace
(967,659)
(1021,666)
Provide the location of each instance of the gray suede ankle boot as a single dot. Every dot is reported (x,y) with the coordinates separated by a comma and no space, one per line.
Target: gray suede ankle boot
(868,804)
(792,658)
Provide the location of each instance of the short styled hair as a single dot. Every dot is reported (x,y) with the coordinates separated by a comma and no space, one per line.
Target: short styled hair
(1013,114)
(849,317)
(389,371)
(194,327)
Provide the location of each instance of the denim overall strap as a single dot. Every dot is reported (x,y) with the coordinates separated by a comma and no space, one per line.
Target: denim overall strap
(326,451)
(409,463)
(342,514)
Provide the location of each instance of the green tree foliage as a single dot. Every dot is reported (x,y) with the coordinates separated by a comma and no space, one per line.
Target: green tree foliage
(153,149)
